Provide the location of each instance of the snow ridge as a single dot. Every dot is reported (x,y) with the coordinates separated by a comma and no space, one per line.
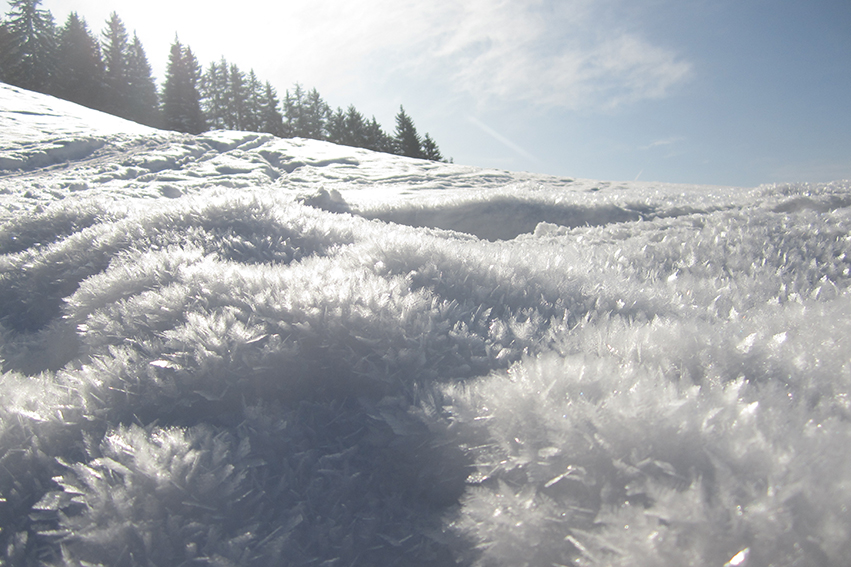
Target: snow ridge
(238,350)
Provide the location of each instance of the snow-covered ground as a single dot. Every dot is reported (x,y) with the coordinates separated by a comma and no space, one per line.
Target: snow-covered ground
(231,349)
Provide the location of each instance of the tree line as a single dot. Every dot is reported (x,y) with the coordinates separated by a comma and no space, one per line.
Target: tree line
(112,74)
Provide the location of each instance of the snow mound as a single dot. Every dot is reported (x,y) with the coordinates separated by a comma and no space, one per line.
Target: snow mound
(28,117)
(238,350)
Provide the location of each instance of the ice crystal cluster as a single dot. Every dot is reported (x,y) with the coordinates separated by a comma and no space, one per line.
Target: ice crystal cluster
(230,349)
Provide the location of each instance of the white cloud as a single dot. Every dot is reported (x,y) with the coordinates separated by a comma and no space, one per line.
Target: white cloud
(674,140)
(572,54)
(502,139)
(567,56)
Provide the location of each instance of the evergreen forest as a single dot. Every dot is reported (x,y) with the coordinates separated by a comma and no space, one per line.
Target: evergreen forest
(110,72)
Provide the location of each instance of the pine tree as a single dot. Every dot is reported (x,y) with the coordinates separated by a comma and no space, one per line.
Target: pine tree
(407,139)
(355,128)
(143,103)
(307,115)
(295,125)
(214,89)
(233,100)
(115,56)
(5,49)
(430,149)
(271,120)
(336,127)
(79,76)
(29,58)
(236,113)
(316,112)
(174,89)
(376,139)
(253,102)
(181,105)
(195,117)
(348,128)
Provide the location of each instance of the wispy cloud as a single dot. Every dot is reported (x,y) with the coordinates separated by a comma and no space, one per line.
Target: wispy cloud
(564,55)
(553,54)
(502,139)
(572,54)
(665,142)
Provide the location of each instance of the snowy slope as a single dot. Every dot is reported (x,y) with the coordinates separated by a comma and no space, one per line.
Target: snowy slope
(231,349)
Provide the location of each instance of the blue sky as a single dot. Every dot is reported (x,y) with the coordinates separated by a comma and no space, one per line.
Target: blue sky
(727,92)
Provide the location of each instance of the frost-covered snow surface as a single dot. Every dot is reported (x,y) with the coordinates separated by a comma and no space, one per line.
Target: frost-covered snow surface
(231,349)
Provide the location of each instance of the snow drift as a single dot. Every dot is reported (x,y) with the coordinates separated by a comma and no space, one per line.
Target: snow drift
(231,349)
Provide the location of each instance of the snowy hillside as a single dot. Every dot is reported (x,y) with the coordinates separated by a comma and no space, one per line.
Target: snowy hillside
(232,349)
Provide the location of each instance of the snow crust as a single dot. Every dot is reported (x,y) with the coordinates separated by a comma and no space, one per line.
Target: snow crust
(232,349)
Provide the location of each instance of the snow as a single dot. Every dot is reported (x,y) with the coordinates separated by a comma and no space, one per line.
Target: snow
(234,349)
